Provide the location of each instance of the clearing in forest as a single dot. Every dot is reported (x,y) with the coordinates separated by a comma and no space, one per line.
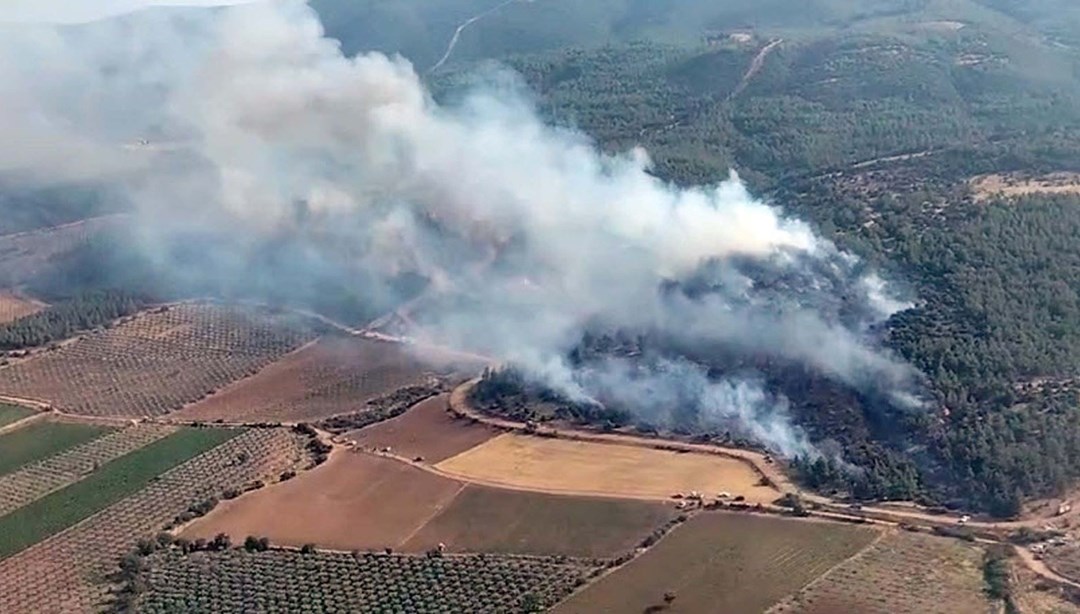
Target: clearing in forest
(333,376)
(724,562)
(13,307)
(426,431)
(986,187)
(901,573)
(589,468)
(483,519)
(352,501)
(41,440)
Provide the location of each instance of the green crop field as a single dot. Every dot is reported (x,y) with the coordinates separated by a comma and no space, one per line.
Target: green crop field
(42,440)
(13,413)
(109,484)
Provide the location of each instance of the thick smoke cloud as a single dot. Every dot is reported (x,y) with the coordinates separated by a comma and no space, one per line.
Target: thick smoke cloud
(257,127)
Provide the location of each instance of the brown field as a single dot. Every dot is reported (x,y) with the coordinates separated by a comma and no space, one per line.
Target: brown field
(427,430)
(483,519)
(902,573)
(13,307)
(352,501)
(333,376)
(155,362)
(986,187)
(724,562)
(65,572)
(588,468)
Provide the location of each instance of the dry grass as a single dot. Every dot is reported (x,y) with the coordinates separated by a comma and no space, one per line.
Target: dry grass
(353,501)
(724,562)
(426,431)
(560,465)
(902,573)
(483,519)
(986,187)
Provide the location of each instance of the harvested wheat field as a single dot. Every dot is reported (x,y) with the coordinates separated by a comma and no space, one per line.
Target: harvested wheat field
(589,468)
(13,307)
(332,376)
(902,573)
(426,431)
(157,361)
(352,501)
(724,562)
(483,519)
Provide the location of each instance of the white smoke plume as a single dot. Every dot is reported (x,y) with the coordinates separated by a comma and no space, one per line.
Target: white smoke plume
(257,125)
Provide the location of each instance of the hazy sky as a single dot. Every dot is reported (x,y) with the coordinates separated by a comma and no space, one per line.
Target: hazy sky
(80,11)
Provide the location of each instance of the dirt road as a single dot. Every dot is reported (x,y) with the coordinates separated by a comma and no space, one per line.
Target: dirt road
(755,66)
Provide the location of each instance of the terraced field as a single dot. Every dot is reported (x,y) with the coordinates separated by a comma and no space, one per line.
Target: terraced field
(66,572)
(157,361)
(724,562)
(903,573)
(42,477)
(285,581)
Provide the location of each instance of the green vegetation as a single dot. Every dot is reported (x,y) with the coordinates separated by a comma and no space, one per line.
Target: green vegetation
(13,413)
(868,121)
(42,440)
(83,312)
(109,484)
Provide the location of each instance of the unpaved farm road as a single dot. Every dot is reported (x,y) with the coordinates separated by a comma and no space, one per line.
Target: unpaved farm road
(755,67)
(465,24)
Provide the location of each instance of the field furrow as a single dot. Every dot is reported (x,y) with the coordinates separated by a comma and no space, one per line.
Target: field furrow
(66,573)
(39,479)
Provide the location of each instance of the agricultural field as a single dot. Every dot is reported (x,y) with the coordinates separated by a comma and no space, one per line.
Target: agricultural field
(987,187)
(40,478)
(68,571)
(426,431)
(288,581)
(901,573)
(323,506)
(157,361)
(41,440)
(333,376)
(580,467)
(483,519)
(13,413)
(26,254)
(113,481)
(724,562)
(13,307)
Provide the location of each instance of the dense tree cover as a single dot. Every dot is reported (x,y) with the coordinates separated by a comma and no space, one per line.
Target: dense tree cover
(823,129)
(60,321)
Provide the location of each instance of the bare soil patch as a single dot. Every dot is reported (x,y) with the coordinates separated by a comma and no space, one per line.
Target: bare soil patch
(330,377)
(352,501)
(426,431)
(483,519)
(986,187)
(13,307)
(589,468)
(724,562)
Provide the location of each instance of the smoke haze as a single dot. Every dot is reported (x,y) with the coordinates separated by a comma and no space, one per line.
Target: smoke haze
(257,126)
